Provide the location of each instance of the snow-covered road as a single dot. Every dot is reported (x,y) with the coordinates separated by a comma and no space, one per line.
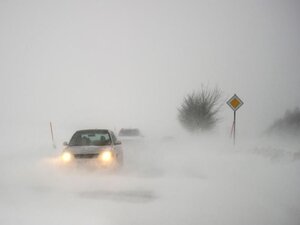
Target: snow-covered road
(161,183)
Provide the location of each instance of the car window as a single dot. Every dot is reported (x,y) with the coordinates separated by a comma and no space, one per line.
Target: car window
(113,136)
(90,138)
(129,132)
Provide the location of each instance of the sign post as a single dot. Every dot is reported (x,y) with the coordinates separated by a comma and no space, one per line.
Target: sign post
(234,103)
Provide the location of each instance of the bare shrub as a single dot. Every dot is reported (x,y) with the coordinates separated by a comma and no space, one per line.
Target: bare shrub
(198,111)
(288,125)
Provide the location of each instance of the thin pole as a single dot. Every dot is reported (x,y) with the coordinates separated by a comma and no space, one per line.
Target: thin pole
(52,136)
(234,126)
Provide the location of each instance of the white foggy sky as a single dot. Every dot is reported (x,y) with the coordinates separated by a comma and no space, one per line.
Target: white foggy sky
(130,63)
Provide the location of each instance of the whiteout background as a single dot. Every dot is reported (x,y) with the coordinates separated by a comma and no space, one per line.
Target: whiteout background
(113,64)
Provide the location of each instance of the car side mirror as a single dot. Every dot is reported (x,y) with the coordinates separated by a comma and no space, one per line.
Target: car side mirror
(118,142)
(65,143)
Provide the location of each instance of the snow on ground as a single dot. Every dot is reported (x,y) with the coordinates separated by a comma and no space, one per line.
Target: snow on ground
(162,182)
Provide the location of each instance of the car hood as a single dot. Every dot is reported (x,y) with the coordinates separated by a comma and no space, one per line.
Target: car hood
(86,149)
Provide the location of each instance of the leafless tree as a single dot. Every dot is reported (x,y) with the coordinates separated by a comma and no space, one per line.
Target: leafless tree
(199,110)
(288,125)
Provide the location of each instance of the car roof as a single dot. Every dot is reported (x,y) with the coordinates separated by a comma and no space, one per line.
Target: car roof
(93,130)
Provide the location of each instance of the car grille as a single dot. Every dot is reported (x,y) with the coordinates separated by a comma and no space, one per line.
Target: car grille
(86,156)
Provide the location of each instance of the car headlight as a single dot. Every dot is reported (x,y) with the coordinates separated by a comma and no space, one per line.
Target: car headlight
(66,156)
(106,156)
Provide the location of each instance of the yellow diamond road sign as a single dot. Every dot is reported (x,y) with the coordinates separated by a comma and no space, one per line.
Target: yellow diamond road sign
(235,102)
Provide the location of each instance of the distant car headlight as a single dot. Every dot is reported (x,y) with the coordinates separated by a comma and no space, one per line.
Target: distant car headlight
(66,156)
(106,156)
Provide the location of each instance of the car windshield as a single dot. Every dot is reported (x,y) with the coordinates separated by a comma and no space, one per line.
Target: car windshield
(90,138)
(129,132)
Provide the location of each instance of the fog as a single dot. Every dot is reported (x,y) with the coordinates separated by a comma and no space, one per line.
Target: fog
(115,64)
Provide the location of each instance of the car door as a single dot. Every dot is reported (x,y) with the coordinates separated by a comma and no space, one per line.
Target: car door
(117,146)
